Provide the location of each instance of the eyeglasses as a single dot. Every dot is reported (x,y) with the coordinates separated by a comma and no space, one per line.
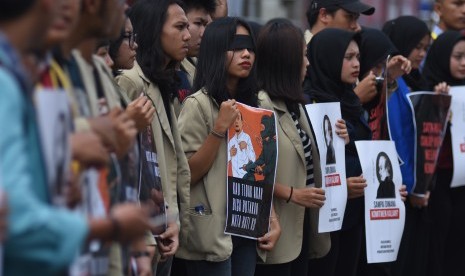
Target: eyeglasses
(131,37)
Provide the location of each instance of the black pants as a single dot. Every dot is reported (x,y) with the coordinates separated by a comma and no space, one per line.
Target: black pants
(296,267)
(343,256)
(447,212)
(413,252)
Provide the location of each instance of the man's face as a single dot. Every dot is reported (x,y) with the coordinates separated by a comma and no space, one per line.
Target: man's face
(175,35)
(238,123)
(345,20)
(451,13)
(64,22)
(382,170)
(198,21)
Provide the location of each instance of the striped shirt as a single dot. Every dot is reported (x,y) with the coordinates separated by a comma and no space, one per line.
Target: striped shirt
(307,150)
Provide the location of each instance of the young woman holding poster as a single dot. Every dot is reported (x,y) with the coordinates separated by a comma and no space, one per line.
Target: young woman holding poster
(298,193)
(446,63)
(334,69)
(225,73)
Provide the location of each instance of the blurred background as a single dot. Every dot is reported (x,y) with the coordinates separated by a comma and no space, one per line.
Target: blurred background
(263,10)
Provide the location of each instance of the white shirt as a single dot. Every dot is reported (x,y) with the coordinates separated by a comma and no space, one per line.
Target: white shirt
(242,157)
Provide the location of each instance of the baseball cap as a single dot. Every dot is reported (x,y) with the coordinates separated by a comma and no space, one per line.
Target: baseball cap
(353,6)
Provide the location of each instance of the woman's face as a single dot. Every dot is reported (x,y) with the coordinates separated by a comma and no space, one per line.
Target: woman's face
(240,61)
(457,61)
(175,35)
(127,50)
(305,63)
(419,52)
(351,64)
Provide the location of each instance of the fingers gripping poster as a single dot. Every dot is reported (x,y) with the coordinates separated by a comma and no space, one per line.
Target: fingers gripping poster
(323,118)
(384,209)
(252,159)
(457,130)
(430,113)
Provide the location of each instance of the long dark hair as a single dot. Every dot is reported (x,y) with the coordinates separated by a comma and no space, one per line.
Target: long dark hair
(212,71)
(148,18)
(278,68)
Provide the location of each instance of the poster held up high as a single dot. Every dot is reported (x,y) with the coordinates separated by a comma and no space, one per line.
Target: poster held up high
(430,113)
(323,118)
(384,209)
(251,169)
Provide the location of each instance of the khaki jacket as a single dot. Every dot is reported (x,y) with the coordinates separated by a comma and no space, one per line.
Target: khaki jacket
(174,169)
(291,171)
(206,239)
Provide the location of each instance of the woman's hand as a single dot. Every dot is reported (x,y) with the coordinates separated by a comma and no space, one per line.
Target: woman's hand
(356,186)
(309,197)
(442,88)
(341,130)
(226,116)
(268,241)
(403,192)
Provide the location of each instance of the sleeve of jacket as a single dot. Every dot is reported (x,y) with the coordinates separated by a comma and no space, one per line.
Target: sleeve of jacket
(38,234)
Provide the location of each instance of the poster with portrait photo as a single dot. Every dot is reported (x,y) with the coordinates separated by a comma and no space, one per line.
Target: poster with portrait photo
(430,112)
(251,169)
(457,131)
(150,186)
(384,208)
(323,118)
(55,123)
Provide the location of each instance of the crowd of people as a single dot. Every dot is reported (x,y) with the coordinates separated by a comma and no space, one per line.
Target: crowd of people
(113,111)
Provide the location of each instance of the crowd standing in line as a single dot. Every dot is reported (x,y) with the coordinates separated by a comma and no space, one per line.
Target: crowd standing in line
(150,88)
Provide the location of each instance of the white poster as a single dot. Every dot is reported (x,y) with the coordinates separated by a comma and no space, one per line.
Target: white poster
(323,118)
(457,131)
(55,126)
(384,209)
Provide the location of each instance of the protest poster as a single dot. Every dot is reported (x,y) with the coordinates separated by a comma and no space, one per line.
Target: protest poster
(150,187)
(430,113)
(384,209)
(457,131)
(54,121)
(323,118)
(251,169)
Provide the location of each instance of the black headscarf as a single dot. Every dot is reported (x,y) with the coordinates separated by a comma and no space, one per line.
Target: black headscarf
(437,65)
(374,46)
(406,32)
(326,53)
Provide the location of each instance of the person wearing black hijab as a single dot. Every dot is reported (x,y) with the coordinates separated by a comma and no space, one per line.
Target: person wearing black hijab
(445,62)
(328,52)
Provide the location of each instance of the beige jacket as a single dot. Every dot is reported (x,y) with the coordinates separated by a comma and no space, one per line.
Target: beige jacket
(291,171)
(206,239)
(174,169)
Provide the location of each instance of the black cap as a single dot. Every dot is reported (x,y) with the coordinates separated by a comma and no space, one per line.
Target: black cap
(353,6)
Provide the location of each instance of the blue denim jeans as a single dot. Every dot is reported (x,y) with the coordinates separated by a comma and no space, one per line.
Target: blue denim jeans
(241,262)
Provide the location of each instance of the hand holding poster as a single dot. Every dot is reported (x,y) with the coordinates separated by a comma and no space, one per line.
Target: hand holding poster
(430,113)
(384,209)
(457,130)
(323,117)
(252,159)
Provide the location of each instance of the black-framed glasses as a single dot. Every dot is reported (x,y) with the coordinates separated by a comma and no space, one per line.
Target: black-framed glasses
(131,37)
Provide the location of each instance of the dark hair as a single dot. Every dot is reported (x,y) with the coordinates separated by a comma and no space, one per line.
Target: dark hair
(116,44)
(212,72)
(278,68)
(208,5)
(312,13)
(387,165)
(330,128)
(148,18)
(12,9)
